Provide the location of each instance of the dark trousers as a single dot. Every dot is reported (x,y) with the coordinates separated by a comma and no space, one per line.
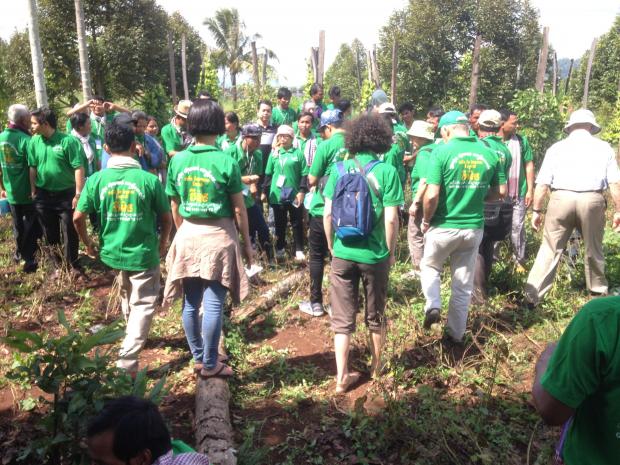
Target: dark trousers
(56,217)
(296,217)
(484,263)
(258,227)
(26,230)
(318,251)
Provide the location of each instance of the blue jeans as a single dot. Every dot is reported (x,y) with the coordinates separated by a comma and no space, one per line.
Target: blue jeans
(203,339)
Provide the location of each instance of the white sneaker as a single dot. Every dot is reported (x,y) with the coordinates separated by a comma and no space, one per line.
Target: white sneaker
(315,309)
(300,256)
(281,253)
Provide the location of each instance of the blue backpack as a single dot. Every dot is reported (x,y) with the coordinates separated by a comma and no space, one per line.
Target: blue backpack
(352,208)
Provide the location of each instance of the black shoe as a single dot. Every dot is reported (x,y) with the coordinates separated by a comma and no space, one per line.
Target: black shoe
(431,317)
(30,267)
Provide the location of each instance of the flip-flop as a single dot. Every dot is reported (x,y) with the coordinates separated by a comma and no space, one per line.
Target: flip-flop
(220,370)
(352,378)
(223,358)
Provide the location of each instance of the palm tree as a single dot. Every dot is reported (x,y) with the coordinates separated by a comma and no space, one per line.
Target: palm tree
(35,52)
(228,30)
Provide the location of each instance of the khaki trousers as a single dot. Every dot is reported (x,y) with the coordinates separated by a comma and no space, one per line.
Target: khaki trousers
(415,238)
(139,291)
(566,211)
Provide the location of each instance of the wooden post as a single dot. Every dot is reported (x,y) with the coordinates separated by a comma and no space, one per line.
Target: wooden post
(570,72)
(314,61)
(555,73)
(184,68)
(87,90)
(255,66)
(542,61)
(475,70)
(369,59)
(35,53)
(265,69)
(321,58)
(586,84)
(358,69)
(394,69)
(173,77)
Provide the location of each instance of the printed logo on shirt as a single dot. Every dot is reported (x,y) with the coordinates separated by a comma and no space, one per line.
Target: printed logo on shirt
(57,149)
(196,179)
(120,196)
(9,158)
(469,165)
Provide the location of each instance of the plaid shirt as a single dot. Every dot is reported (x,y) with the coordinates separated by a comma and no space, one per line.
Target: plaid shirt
(190,458)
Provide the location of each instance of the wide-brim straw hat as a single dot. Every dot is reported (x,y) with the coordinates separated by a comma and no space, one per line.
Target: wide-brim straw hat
(421,129)
(182,108)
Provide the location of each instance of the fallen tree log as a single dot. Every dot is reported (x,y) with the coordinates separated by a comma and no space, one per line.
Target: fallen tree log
(214,433)
(270,298)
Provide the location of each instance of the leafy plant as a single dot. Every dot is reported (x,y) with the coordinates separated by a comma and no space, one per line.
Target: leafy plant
(78,381)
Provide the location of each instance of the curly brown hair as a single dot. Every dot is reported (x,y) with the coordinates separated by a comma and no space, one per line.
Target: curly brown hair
(368,133)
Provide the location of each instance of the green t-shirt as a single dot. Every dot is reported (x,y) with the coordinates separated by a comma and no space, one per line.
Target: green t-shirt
(394,156)
(329,152)
(249,164)
(286,168)
(223,142)
(280,116)
(465,169)
(203,178)
(56,160)
(584,374)
(374,248)
(127,202)
(503,154)
(421,165)
(171,139)
(14,164)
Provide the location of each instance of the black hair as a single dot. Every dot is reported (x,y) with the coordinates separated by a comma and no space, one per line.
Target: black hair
(137,426)
(99,98)
(369,133)
(204,94)
(305,113)
(316,87)
(78,120)
(478,107)
(232,117)
(436,112)
(205,118)
(284,92)
(150,118)
(119,137)
(506,114)
(137,115)
(407,106)
(344,105)
(264,102)
(45,115)
(334,91)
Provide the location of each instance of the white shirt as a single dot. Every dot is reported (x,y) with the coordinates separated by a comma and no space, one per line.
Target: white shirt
(579,163)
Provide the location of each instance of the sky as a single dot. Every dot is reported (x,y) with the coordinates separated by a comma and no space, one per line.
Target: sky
(290,33)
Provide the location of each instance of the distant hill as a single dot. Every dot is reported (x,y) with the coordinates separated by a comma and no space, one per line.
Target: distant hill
(564,65)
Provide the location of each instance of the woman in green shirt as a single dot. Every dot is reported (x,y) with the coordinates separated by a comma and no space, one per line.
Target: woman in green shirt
(232,135)
(286,184)
(204,185)
(305,139)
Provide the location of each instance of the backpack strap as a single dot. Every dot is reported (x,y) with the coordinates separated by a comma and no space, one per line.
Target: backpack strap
(363,171)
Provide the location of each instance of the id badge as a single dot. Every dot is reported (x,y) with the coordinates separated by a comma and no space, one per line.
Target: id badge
(246,190)
(98,144)
(281,180)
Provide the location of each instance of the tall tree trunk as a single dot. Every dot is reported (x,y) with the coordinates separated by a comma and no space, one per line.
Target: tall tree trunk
(314,61)
(255,71)
(265,69)
(375,69)
(321,58)
(37,57)
(542,62)
(87,90)
(475,70)
(369,59)
(184,67)
(570,72)
(358,70)
(233,85)
(586,84)
(173,75)
(394,69)
(555,73)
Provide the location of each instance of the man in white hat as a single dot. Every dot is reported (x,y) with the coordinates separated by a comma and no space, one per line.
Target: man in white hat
(174,136)
(577,170)
(422,136)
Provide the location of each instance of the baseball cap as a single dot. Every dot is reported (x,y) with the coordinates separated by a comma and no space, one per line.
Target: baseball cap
(452,117)
(387,107)
(285,130)
(490,119)
(251,130)
(330,117)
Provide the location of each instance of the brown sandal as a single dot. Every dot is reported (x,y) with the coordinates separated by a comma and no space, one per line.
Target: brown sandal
(198,366)
(220,370)
(351,379)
